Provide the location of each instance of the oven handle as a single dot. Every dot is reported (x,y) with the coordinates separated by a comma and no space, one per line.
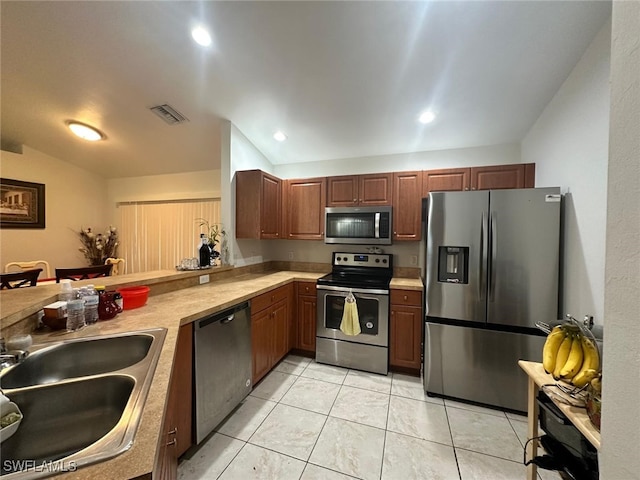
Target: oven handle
(369,291)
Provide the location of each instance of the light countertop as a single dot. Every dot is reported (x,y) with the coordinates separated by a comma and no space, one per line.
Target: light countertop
(168,310)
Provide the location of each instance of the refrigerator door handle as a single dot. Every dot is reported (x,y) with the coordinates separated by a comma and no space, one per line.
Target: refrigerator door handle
(484,246)
(494,253)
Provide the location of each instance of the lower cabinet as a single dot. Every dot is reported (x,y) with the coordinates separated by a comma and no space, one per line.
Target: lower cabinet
(406,330)
(306,312)
(270,329)
(176,429)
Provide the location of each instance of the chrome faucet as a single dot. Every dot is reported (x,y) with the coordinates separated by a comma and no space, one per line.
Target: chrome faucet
(12,357)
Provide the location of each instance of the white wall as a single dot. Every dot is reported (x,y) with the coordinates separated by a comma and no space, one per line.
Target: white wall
(453,158)
(74,197)
(569,145)
(240,154)
(177,186)
(619,457)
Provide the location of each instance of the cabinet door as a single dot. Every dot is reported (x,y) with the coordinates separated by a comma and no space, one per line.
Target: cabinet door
(261,344)
(405,337)
(181,387)
(497,177)
(407,205)
(445,180)
(176,429)
(279,324)
(270,208)
(258,205)
(307,323)
(375,189)
(305,209)
(342,191)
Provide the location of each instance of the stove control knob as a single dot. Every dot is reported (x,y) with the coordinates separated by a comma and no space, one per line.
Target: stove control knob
(338,259)
(377,260)
(384,260)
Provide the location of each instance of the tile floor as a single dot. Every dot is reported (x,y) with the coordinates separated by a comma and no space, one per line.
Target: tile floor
(308,421)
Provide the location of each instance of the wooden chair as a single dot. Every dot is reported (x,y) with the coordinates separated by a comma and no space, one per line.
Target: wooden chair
(28,278)
(83,273)
(22,266)
(118,265)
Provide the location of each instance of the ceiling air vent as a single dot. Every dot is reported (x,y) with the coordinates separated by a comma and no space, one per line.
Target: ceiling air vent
(169,114)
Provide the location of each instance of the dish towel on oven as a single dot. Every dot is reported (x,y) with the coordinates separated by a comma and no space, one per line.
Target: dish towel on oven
(350,324)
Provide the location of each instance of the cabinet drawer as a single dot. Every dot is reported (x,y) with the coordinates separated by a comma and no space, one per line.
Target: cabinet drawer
(265,300)
(306,288)
(406,297)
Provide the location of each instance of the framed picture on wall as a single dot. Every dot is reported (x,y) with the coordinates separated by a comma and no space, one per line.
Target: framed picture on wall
(22,204)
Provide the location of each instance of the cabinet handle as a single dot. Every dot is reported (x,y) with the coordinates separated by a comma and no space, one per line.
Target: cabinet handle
(174,431)
(355,200)
(172,442)
(406,298)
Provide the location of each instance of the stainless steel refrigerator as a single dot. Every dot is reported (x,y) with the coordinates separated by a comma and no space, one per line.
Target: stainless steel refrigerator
(492,271)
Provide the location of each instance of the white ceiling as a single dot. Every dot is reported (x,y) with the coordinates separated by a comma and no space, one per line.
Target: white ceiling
(341,79)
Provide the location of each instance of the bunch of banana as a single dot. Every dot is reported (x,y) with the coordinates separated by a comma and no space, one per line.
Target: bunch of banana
(570,356)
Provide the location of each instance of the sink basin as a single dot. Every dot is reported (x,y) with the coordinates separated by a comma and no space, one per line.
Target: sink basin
(81,399)
(77,358)
(62,419)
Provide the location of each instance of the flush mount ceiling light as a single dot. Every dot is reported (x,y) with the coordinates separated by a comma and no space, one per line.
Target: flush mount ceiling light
(201,36)
(85,132)
(427,117)
(279,136)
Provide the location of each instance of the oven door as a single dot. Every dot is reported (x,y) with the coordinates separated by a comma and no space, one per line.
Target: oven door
(373,313)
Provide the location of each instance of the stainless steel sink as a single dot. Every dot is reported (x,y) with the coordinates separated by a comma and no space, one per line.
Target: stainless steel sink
(84,411)
(77,358)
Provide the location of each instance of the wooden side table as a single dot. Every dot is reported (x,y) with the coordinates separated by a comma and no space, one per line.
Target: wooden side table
(577,416)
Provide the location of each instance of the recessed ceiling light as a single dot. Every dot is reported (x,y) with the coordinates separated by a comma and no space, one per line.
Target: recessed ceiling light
(201,36)
(85,132)
(279,136)
(427,117)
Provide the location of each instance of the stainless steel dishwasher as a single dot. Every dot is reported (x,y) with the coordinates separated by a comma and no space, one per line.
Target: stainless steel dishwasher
(222,351)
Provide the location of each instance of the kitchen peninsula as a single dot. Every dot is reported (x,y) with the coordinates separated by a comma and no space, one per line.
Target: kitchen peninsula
(176,299)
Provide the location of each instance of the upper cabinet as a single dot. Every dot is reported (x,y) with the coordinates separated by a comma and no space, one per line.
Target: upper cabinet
(503,176)
(365,190)
(445,180)
(407,205)
(258,205)
(305,200)
(521,175)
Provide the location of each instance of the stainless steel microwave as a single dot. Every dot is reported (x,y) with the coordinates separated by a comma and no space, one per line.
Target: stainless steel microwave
(358,225)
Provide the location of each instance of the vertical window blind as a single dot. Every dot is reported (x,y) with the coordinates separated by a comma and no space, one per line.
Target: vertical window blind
(157,235)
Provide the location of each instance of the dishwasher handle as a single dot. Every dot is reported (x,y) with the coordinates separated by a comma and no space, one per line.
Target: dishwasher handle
(224,317)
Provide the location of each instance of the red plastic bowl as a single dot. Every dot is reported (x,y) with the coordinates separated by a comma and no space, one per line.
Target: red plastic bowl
(133,297)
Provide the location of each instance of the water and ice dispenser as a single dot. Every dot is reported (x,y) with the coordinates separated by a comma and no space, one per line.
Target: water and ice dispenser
(453,264)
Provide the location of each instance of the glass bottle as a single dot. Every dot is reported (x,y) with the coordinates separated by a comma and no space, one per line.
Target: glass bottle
(204,252)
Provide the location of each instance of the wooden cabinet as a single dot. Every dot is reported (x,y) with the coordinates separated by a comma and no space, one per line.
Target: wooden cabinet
(305,201)
(270,329)
(503,176)
(306,313)
(520,175)
(445,180)
(407,205)
(176,429)
(364,190)
(258,205)
(405,336)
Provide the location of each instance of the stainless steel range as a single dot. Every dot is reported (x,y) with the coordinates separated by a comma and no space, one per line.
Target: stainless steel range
(367,276)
